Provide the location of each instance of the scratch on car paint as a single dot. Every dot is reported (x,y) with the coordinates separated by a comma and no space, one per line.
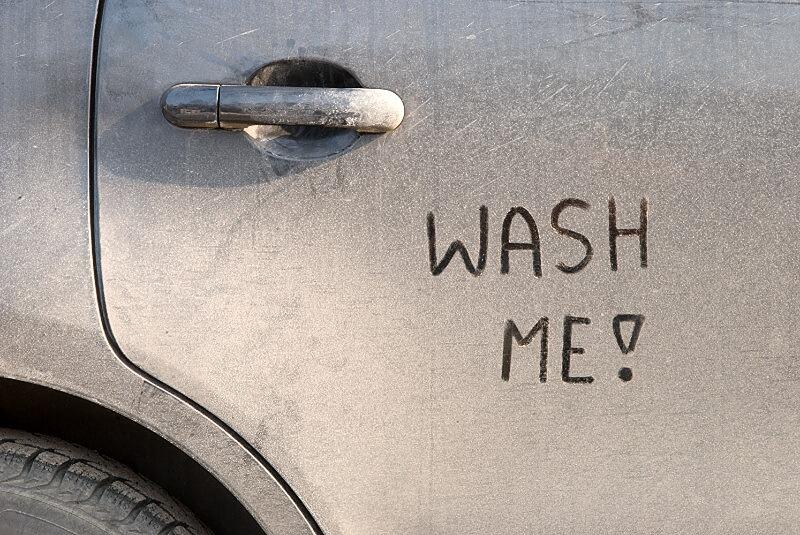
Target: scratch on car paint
(597,20)
(562,88)
(419,122)
(472,122)
(231,38)
(501,145)
(707,86)
(415,110)
(611,80)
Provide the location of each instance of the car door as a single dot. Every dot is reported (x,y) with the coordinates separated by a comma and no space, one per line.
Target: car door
(559,298)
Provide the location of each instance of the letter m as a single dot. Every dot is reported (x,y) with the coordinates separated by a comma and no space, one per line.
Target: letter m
(512,335)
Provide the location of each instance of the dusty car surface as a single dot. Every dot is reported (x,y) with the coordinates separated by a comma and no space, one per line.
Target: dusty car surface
(366,266)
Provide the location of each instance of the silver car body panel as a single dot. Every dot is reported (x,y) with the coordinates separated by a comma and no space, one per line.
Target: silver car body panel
(296,300)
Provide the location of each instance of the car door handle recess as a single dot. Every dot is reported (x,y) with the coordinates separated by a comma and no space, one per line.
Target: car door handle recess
(234,107)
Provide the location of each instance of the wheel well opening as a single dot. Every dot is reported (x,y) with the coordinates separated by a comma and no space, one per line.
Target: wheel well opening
(40,409)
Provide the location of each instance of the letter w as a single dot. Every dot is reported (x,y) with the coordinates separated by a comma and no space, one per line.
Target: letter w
(458,247)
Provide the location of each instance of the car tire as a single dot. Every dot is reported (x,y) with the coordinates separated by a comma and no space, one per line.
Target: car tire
(51,487)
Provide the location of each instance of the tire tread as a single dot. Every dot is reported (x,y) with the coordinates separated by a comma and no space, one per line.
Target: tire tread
(90,485)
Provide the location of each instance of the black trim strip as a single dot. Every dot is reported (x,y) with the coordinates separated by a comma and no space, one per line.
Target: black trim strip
(101,301)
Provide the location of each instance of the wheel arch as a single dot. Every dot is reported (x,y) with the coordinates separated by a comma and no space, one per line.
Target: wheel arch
(45,410)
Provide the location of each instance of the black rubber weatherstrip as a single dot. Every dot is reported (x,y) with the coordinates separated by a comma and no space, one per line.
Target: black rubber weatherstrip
(101,301)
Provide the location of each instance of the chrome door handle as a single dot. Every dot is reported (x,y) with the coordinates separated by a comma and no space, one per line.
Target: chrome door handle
(234,107)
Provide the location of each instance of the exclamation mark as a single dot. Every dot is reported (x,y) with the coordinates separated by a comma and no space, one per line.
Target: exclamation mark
(625,373)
